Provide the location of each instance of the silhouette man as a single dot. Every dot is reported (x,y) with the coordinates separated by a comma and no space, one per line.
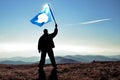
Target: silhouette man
(45,45)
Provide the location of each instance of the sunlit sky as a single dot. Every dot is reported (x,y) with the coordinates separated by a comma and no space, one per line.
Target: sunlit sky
(86,27)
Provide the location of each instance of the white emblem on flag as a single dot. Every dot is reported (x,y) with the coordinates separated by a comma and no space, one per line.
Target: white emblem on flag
(42,18)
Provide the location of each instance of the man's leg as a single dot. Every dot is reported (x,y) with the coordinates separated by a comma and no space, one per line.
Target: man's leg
(42,61)
(52,58)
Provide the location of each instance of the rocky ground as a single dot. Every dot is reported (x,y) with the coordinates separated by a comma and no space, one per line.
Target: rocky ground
(77,71)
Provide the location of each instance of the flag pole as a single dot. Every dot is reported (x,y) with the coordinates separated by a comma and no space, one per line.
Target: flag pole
(52,14)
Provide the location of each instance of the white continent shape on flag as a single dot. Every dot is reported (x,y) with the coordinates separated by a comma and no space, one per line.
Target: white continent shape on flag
(42,18)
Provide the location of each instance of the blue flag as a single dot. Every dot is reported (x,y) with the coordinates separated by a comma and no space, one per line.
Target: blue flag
(43,17)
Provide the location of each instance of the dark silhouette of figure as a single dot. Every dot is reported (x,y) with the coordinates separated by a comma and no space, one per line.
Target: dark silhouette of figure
(45,45)
(42,75)
(53,75)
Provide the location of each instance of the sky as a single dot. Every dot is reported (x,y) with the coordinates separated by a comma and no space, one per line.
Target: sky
(86,27)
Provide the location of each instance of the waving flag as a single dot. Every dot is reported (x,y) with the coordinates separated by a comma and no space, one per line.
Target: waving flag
(43,17)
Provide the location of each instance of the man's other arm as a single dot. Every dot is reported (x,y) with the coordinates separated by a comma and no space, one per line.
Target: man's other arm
(39,48)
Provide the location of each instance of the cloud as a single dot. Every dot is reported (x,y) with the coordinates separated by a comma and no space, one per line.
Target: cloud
(16,47)
(86,49)
(95,21)
(89,22)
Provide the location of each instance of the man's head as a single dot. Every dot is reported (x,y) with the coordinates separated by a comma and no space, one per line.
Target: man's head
(45,31)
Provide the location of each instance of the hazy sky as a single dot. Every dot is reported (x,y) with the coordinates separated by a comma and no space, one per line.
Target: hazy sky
(85,27)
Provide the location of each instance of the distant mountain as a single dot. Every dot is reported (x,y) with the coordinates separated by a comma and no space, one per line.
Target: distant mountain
(90,58)
(14,62)
(59,60)
(23,59)
(115,56)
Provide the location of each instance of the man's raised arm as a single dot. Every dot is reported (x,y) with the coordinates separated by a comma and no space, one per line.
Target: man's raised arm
(55,31)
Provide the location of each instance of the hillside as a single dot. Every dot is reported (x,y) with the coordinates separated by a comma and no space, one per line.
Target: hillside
(76,71)
(59,59)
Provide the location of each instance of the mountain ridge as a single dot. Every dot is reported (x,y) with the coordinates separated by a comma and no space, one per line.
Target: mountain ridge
(59,59)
